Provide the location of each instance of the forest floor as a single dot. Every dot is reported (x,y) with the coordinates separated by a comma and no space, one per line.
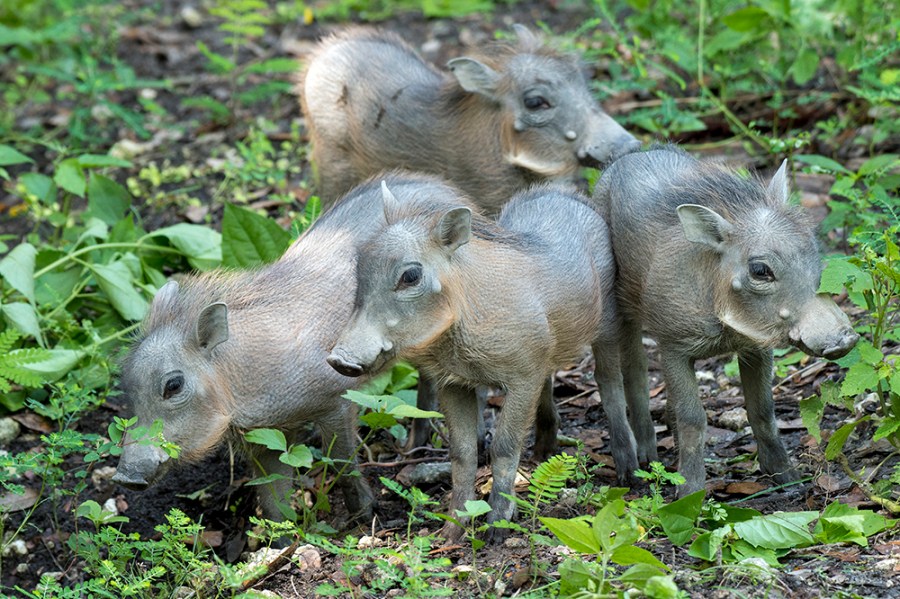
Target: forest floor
(164,45)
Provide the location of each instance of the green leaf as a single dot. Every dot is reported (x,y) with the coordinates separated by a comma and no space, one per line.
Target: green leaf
(838,273)
(811,411)
(661,587)
(99,160)
(678,517)
(265,480)
(17,267)
(70,176)
(474,508)
(107,200)
(627,555)
(888,427)
(575,533)
(299,457)
(745,19)
(859,378)
(116,281)
(872,523)
(838,438)
(201,245)
(23,317)
(378,420)
(826,164)
(269,437)
(879,163)
(40,186)
(781,530)
(806,65)
(10,156)
(576,575)
(249,239)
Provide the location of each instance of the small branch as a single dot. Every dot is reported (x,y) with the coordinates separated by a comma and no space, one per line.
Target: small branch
(888,504)
(273,566)
(395,464)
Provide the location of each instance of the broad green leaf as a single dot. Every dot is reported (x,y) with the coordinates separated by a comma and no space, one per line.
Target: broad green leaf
(298,457)
(407,411)
(826,164)
(53,363)
(889,426)
(838,438)
(10,156)
(269,437)
(116,281)
(740,550)
(869,353)
(99,160)
(17,267)
(576,534)
(23,317)
(872,522)
(107,200)
(474,508)
(249,239)
(745,19)
(89,509)
(678,517)
(576,575)
(661,587)
(838,273)
(202,246)
(626,555)
(613,527)
(879,163)
(811,410)
(842,529)
(378,420)
(781,530)
(70,176)
(860,377)
(274,65)
(388,404)
(94,228)
(40,186)
(806,65)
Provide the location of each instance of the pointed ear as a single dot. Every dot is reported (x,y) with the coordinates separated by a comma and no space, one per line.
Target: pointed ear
(391,203)
(166,293)
(527,39)
(212,326)
(778,186)
(474,76)
(702,225)
(454,229)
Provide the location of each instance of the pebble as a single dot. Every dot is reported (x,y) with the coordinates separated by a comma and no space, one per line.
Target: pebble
(101,476)
(515,543)
(734,419)
(16,547)
(191,17)
(9,430)
(367,542)
(425,473)
(110,506)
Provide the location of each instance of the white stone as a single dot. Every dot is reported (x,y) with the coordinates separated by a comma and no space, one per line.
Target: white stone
(9,430)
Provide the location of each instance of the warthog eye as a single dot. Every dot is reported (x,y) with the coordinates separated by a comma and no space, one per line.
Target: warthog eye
(761,272)
(536,103)
(173,386)
(410,277)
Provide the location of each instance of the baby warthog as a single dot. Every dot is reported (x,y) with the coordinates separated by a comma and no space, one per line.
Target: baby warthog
(513,114)
(224,352)
(711,263)
(477,303)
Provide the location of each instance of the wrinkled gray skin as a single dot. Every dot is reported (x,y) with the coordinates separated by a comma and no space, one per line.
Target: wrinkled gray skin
(710,263)
(227,352)
(514,114)
(478,303)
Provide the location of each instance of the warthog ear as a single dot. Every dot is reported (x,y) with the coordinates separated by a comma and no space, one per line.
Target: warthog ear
(454,229)
(391,203)
(212,326)
(703,225)
(474,76)
(778,186)
(166,293)
(527,39)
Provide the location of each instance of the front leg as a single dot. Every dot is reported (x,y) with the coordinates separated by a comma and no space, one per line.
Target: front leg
(756,378)
(460,412)
(683,397)
(546,425)
(506,449)
(612,395)
(633,359)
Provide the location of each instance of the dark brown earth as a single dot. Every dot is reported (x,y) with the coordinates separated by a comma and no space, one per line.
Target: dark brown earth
(158,44)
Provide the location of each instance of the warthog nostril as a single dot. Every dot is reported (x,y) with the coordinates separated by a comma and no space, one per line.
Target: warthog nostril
(345,367)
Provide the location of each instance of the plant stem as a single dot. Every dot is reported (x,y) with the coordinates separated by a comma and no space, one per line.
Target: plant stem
(888,504)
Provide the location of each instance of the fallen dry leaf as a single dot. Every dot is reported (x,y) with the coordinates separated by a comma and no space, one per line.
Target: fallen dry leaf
(745,488)
(829,483)
(12,502)
(32,421)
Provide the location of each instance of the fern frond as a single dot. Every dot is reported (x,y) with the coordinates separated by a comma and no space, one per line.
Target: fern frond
(7,338)
(12,362)
(550,478)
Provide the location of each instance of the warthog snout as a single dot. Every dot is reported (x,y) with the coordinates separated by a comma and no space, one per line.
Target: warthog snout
(140,466)
(842,346)
(344,364)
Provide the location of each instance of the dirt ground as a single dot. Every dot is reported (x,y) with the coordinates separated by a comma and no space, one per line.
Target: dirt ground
(165,46)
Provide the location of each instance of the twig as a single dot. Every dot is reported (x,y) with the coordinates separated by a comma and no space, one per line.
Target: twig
(817,364)
(272,566)
(891,506)
(395,464)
